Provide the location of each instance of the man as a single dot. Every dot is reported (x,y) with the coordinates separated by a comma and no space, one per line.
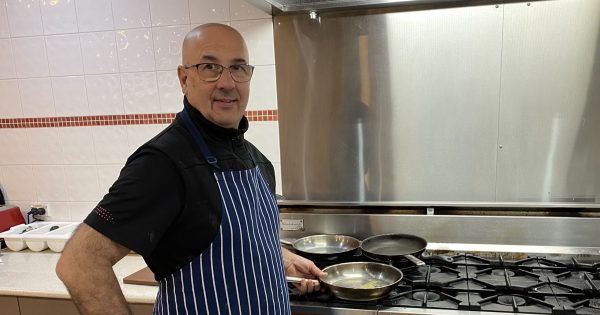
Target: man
(197,202)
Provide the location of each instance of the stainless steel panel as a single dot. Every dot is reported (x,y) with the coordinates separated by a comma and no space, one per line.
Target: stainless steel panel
(550,106)
(542,234)
(416,311)
(389,107)
(306,5)
(462,204)
(469,105)
(320,309)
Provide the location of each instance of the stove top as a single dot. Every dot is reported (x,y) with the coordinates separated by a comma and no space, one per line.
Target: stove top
(535,285)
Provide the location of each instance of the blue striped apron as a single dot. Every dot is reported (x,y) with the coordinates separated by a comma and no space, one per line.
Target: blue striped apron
(241,272)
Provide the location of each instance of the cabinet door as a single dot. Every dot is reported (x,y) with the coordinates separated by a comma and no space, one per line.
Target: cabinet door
(141,309)
(9,305)
(36,306)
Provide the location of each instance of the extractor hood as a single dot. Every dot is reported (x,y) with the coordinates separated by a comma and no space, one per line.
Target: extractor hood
(289,6)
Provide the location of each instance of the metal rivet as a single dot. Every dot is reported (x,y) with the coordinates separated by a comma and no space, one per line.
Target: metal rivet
(497,6)
(528,4)
(500,146)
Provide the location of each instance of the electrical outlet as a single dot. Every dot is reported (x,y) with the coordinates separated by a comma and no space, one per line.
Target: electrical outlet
(42,206)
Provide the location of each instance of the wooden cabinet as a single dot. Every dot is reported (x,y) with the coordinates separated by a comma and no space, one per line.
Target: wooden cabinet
(36,306)
(10,305)
(141,309)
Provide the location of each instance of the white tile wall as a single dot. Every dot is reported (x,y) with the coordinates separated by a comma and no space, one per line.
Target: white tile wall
(77,145)
(140,134)
(131,13)
(58,211)
(206,11)
(44,146)
(30,57)
(7,62)
(18,180)
(104,57)
(169,91)
(174,12)
(99,52)
(24,17)
(70,96)
(107,174)
(36,97)
(111,144)
(64,55)
(264,89)
(278,182)
(81,182)
(167,46)
(4,29)
(265,136)
(15,147)
(80,210)
(58,17)
(140,93)
(259,38)
(10,106)
(104,94)
(94,15)
(49,182)
(242,10)
(135,49)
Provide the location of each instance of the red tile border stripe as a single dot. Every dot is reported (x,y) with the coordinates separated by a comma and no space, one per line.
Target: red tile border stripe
(112,120)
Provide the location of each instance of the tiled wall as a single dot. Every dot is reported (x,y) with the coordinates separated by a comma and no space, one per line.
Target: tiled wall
(93,59)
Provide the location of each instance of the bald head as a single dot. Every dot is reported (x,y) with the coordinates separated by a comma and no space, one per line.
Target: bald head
(200,36)
(222,101)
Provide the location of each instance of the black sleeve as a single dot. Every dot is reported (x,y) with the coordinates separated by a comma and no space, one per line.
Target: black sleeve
(143,202)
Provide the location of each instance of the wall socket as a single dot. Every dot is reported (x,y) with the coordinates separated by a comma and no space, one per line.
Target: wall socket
(41,206)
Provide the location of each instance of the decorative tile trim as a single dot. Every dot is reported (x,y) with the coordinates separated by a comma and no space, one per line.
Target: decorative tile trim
(111,120)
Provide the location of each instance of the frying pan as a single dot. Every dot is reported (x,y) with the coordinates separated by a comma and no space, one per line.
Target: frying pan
(394,248)
(325,246)
(359,281)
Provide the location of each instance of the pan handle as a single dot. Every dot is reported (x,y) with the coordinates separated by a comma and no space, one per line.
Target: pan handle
(415,260)
(297,280)
(290,243)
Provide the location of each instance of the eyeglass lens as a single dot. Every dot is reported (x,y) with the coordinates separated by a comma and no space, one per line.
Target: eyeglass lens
(212,72)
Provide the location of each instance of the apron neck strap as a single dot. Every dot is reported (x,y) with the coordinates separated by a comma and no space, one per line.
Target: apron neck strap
(189,125)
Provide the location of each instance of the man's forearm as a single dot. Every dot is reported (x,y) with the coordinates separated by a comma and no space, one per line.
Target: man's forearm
(287,257)
(97,292)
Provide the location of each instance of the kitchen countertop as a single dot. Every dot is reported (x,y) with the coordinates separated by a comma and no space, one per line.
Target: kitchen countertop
(28,273)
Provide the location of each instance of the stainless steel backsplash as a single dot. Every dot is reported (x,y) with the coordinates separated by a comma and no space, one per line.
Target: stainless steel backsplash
(492,103)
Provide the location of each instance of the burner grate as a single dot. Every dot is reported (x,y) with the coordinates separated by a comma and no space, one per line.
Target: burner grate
(535,285)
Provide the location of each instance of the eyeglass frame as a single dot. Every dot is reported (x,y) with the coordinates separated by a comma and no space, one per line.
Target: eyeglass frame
(222,69)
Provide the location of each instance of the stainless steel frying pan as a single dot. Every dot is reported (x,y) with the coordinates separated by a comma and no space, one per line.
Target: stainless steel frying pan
(359,281)
(325,246)
(394,248)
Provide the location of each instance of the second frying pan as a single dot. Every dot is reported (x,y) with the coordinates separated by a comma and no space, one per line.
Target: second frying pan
(325,246)
(394,247)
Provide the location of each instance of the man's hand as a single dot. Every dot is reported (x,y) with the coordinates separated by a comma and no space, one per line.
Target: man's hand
(299,266)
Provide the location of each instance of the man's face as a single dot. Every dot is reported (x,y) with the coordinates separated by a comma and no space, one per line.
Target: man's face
(224,101)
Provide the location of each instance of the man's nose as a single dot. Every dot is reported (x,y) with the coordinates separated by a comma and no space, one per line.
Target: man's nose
(225,82)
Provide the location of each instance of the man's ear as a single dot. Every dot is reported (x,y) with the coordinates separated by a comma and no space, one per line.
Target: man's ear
(182,79)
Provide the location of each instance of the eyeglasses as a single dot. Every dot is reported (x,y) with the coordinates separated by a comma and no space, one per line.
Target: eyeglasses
(211,72)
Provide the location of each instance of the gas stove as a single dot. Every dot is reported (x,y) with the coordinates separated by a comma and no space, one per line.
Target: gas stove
(474,284)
